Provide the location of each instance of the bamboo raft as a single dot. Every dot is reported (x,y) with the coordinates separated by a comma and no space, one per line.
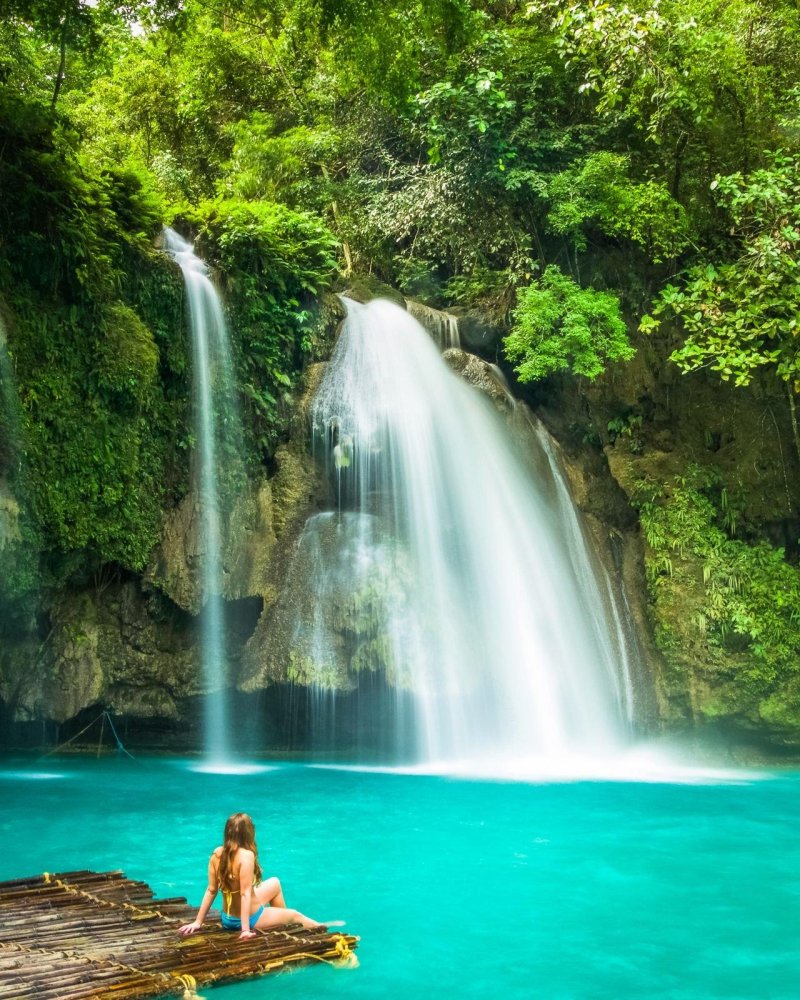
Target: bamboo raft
(85,935)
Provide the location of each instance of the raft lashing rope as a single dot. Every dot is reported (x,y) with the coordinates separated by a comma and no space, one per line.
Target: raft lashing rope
(86,935)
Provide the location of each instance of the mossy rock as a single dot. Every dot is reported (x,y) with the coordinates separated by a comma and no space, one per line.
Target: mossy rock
(366,288)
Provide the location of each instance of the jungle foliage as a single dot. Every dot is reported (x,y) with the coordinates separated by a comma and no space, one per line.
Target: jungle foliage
(720,601)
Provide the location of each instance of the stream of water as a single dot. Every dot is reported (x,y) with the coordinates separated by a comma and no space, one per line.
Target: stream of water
(215,422)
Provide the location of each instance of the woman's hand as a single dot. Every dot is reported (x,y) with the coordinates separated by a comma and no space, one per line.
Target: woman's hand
(188,929)
(246,935)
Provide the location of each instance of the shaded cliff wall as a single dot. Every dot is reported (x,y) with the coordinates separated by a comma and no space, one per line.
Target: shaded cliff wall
(710,473)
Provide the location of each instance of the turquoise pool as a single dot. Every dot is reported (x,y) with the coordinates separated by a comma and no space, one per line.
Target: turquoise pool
(574,891)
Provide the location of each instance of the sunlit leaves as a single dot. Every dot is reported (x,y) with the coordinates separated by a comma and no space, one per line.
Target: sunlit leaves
(741,314)
(559,326)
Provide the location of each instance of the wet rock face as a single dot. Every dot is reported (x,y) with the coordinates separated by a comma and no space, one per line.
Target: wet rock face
(261,513)
(647,423)
(132,644)
(484,376)
(330,620)
(365,288)
(9,518)
(248,541)
(478,331)
(441,325)
(112,646)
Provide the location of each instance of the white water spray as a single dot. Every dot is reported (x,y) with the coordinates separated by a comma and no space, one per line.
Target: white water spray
(215,420)
(486,595)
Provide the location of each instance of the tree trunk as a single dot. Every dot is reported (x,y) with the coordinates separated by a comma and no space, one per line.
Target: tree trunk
(63,64)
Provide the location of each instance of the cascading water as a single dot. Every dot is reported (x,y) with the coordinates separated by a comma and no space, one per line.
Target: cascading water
(217,430)
(600,602)
(442,326)
(10,450)
(476,594)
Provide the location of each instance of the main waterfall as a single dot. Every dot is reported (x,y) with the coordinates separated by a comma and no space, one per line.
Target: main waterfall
(478,591)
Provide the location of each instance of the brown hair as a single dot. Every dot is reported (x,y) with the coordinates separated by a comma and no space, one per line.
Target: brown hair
(239,832)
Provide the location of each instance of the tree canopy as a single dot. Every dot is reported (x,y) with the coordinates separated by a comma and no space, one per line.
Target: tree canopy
(566,163)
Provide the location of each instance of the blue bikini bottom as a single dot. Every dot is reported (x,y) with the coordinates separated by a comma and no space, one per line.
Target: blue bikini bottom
(230,923)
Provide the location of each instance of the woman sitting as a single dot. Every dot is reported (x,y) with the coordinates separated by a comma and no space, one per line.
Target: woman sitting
(249,904)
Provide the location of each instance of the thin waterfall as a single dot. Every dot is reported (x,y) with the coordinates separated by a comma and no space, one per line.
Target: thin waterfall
(441,325)
(10,449)
(217,433)
(476,600)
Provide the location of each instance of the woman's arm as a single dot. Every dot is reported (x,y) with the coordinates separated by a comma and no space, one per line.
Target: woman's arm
(246,869)
(208,898)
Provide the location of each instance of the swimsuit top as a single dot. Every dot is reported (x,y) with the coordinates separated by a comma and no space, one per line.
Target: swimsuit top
(228,894)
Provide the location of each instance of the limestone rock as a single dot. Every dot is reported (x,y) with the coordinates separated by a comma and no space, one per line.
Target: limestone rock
(484,376)
(442,326)
(247,541)
(364,288)
(330,619)
(478,330)
(113,648)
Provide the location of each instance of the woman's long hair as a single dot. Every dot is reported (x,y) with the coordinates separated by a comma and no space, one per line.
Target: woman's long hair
(239,832)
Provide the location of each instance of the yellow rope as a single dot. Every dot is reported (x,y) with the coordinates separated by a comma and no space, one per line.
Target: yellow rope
(137,912)
(345,956)
(189,983)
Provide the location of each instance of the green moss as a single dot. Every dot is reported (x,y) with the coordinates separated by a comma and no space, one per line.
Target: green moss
(274,262)
(727,612)
(128,356)
(91,316)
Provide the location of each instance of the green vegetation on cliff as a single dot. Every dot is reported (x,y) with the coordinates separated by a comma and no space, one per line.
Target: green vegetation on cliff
(727,613)
(96,327)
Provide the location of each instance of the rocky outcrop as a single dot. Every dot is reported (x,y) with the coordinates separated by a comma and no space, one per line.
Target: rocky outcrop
(327,632)
(247,545)
(646,423)
(484,376)
(112,646)
(132,644)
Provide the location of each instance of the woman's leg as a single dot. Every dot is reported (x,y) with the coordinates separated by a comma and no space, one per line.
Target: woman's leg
(276,915)
(270,893)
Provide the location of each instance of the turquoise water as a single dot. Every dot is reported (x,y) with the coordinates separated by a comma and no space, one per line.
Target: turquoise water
(582,891)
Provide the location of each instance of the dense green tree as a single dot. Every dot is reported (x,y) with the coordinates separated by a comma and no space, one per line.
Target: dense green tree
(559,326)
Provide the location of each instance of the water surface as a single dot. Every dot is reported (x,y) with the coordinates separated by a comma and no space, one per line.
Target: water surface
(572,891)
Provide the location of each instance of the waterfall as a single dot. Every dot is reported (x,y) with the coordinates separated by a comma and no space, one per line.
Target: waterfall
(217,433)
(10,449)
(600,601)
(451,568)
